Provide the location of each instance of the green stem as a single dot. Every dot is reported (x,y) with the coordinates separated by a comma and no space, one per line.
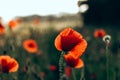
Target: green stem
(61,67)
(114,75)
(41,78)
(1,78)
(73,73)
(107,62)
(5,76)
(82,74)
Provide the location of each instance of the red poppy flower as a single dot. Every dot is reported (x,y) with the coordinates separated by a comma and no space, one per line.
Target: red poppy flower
(36,21)
(52,67)
(72,62)
(71,41)
(8,64)
(2,29)
(12,23)
(42,74)
(99,33)
(30,45)
(68,71)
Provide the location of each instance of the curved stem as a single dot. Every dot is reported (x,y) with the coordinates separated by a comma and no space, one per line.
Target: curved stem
(82,74)
(73,73)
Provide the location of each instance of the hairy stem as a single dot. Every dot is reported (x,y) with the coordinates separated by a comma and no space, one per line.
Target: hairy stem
(61,67)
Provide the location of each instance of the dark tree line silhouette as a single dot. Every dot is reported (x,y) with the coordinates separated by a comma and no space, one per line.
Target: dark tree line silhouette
(102,12)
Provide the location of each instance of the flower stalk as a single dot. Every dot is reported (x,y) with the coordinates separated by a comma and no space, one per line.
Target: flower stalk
(107,39)
(107,63)
(61,67)
(73,73)
(82,74)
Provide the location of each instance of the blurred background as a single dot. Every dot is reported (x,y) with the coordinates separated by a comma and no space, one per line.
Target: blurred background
(42,21)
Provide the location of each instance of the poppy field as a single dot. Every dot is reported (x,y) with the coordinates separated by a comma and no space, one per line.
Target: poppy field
(28,52)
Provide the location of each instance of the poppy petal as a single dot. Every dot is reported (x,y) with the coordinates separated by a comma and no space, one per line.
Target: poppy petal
(80,64)
(2,29)
(12,24)
(67,39)
(8,64)
(70,31)
(72,62)
(99,33)
(78,50)
(13,65)
(30,45)
(4,57)
(58,43)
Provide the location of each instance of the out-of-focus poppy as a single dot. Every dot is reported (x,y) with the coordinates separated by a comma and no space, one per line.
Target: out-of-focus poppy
(25,69)
(19,20)
(36,21)
(72,42)
(94,76)
(42,74)
(68,71)
(30,45)
(72,62)
(8,64)
(52,67)
(2,29)
(12,23)
(99,33)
